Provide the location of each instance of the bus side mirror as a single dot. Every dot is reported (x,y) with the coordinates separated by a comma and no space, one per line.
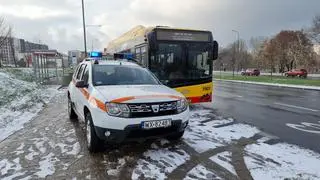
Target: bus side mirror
(215,50)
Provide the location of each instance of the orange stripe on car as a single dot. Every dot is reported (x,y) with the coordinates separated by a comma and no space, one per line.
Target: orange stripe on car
(124,99)
(92,100)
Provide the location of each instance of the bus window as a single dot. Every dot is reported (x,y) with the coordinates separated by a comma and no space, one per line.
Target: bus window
(138,54)
(144,56)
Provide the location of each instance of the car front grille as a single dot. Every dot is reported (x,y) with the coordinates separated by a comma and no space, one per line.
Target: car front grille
(152,109)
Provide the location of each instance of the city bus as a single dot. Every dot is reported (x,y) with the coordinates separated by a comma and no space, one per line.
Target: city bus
(180,58)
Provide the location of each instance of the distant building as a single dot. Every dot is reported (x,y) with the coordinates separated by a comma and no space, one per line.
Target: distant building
(15,49)
(74,57)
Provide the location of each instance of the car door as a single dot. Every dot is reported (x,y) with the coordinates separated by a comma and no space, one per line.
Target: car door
(84,92)
(72,87)
(77,92)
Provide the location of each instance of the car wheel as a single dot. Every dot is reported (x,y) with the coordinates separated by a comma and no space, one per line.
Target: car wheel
(176,136)
(72,114)
(93,140)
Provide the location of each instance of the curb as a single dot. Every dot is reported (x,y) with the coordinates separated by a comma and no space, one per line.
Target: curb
(274,85)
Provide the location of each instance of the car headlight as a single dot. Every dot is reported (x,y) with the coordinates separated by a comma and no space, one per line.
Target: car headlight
(182,105)
(118,110)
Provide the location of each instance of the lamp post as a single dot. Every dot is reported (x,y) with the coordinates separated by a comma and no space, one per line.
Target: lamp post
(238,44)
(84,30)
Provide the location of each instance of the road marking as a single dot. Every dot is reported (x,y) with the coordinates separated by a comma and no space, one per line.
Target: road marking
(316,126)
(302,127)
(297,107)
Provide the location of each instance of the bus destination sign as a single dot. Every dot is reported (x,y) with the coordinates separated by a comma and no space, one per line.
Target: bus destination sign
(182,36)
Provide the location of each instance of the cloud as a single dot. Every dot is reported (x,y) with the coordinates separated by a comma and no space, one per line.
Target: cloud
(59,22)
(33,12)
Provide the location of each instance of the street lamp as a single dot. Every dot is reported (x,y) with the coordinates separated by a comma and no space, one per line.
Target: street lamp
(238,43)
(84,30)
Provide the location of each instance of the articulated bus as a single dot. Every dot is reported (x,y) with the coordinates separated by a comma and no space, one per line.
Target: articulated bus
(181,59)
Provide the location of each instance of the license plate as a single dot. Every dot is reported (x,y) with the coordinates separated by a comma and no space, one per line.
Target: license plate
(156,124)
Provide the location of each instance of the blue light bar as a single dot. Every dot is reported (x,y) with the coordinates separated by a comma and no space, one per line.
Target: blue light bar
(128,56)
(95,54)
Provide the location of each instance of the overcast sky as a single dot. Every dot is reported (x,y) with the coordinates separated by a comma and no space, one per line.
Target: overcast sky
(58,23)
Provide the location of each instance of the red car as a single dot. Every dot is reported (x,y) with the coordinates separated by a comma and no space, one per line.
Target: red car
(251,72)
(297,72)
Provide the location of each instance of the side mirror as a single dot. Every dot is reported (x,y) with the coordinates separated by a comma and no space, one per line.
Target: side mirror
(215,50)
(81,84)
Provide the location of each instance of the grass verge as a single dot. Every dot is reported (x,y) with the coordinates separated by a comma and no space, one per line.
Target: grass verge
(275,79)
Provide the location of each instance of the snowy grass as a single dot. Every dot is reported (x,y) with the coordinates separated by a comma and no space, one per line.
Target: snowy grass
(20,101)
(282,161)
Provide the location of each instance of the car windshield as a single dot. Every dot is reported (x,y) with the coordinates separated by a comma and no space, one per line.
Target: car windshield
(122,75)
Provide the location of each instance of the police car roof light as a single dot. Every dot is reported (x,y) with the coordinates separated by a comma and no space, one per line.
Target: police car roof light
(127,56)
(94,54)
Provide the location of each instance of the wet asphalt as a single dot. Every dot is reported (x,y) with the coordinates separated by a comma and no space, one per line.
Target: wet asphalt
(271,109)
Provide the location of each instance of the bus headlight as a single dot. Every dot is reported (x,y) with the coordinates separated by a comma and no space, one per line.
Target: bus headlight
(118,110)
(182,105)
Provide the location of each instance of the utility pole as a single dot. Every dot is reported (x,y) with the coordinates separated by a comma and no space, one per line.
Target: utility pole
(84,30)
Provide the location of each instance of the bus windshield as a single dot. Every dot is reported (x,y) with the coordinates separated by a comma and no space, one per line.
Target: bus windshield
(180,62)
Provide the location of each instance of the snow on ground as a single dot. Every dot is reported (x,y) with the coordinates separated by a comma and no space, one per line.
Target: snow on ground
(48,153)
(156,164)
(20,101)
(224,160)
(281,161)
(116,170)
(275,84)
(201,173)
(47,165)
(6,166)
(205,136)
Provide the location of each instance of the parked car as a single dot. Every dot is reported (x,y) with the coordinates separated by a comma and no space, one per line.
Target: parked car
(122,101)
(251,72)
(297,72)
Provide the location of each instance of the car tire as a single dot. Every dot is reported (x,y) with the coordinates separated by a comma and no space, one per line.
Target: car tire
(176,136)
(93,141)
(72,114)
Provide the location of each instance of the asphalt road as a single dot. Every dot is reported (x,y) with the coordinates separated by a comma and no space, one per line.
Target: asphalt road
(293,115)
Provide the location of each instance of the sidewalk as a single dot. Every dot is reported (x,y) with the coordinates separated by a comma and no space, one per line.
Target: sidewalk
(316,88)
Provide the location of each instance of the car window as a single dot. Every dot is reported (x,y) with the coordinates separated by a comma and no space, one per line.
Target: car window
(76,72)
(80,72)
(122,75)
(85,76)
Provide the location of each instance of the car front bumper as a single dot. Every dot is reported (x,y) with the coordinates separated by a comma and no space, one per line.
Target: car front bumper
(137,133)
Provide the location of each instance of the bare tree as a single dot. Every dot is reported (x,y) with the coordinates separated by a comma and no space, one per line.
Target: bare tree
(5,32)
(12,48)
(315,29)
(256,45)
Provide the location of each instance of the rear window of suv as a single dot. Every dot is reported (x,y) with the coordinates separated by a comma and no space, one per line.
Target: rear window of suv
(122,75)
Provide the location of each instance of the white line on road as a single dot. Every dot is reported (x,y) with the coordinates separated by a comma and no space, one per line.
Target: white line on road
(298,107)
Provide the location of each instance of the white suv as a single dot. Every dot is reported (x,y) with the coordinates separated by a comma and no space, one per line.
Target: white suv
(122,101)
